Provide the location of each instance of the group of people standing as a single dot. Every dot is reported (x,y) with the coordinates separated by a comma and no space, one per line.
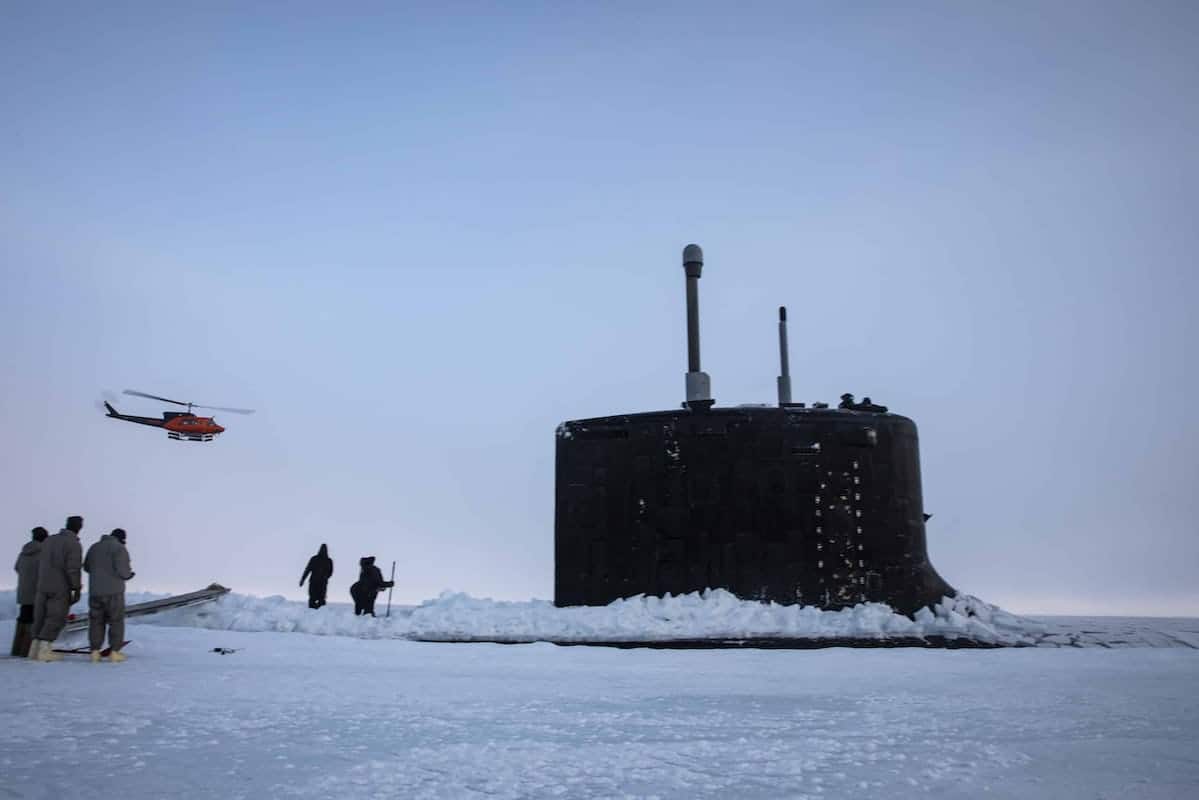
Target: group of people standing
(364,591)
(49,581)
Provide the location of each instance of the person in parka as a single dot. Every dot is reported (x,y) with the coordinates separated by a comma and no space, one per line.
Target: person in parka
(320,567)
(59,584)
(26,567)
(370,583)
(107,566)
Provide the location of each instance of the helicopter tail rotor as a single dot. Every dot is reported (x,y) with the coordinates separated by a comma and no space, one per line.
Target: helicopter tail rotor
(105,400)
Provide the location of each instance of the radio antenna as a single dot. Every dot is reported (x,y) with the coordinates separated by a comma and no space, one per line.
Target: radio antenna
(784,360)
(699,385)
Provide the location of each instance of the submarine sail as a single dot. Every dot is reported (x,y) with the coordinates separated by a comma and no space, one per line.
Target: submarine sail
(792,504)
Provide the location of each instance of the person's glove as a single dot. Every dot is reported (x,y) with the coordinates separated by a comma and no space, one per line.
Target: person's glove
(75,593)
(301,583)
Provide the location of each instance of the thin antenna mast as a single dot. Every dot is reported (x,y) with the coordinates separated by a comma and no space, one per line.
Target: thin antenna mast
(784,380)
(699,385)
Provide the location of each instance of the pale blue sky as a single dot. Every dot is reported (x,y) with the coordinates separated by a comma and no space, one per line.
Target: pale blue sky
(417,238)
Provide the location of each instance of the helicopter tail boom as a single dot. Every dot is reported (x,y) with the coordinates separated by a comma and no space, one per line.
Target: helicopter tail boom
(112,412)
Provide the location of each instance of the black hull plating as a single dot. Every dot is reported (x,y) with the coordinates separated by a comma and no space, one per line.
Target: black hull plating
(815,506)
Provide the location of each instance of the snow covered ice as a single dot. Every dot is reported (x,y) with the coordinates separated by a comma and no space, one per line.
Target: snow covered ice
(355,711)
(714,613)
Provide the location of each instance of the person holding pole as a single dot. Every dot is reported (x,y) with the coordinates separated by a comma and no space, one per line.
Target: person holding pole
(370,582)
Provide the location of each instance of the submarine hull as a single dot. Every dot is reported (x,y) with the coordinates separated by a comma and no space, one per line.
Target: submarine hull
(818,507)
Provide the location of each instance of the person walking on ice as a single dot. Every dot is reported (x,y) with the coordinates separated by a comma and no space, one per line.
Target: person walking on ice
(58,588)
(107,566)
(320,567)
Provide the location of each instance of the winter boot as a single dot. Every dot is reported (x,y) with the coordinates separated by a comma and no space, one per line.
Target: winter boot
(34,649)
(116,656)
(95,656)
(47,654)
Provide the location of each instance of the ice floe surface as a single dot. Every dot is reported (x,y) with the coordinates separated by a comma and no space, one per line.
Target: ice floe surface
(288,715)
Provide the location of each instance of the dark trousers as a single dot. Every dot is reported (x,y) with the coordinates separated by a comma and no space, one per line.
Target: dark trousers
(50,615)
(364,603)
(106,610)
(22,632)
(316,594)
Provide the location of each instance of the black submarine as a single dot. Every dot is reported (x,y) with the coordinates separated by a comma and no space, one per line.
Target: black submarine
(790,503)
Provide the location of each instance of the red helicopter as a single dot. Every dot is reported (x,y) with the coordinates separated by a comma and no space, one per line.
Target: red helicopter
(180,425)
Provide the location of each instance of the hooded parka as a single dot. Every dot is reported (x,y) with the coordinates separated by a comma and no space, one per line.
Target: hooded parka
(107,566)
(320,568)
(370,583)
(27,568)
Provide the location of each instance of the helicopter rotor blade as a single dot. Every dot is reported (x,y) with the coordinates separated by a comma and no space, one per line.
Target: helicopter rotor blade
(230,410)
(154,397)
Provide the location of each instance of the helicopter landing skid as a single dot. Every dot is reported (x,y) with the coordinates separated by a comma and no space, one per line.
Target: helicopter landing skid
(190,437)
